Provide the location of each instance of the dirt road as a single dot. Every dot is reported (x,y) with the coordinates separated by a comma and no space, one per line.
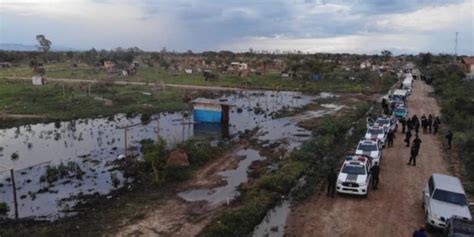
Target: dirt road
(392,210)
(139,83)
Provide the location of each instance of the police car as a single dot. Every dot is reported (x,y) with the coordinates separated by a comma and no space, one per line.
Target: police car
(370,148)
(388,123)
(376,133)
(354,176)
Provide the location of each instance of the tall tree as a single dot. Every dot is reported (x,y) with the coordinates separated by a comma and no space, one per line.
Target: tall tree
(386,54)
(44,45)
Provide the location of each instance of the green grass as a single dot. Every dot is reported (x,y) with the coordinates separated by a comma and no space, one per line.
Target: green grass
(49,100)
(331,82)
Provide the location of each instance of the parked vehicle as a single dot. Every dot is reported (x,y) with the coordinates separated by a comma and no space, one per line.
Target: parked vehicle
(388,123)
(376,133)
(400,112)
(354,176)
(443,198)
(458,227)
(370,148)
(400,94)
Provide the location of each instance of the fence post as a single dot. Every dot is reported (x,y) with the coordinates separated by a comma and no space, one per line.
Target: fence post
(12,173)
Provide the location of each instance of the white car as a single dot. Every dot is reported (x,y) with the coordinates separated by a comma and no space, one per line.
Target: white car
(376,133)
(354,176)
(388,123)
(443,198)
(370,148)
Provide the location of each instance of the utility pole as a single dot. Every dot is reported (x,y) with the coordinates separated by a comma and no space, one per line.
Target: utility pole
(456,47)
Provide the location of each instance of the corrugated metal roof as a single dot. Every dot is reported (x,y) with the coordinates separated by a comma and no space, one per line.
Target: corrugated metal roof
(211,101)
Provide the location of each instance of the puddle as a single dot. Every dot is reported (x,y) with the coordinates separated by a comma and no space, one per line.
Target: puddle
(233,179)
(274,222)
(94,144)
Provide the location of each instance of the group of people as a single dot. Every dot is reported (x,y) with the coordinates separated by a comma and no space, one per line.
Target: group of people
(428,124)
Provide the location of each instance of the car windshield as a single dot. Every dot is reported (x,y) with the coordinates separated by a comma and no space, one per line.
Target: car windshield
(375,131)
(450,197)
(383,121)
(367,147)
(353,169)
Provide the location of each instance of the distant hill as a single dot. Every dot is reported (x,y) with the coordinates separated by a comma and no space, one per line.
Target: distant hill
(23,47)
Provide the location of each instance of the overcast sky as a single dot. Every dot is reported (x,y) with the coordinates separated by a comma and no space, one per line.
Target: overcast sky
(336,26)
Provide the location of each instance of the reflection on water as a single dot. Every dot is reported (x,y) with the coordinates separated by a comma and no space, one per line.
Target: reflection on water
(94,144)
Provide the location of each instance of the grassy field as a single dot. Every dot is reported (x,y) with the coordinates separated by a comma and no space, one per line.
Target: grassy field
(330,82)
(73,101)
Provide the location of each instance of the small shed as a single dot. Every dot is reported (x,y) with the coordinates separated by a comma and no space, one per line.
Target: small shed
(211,111)
(5,65)
(38,80)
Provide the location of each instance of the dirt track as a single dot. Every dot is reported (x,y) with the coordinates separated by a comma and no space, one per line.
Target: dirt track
(392,210)
(172,216)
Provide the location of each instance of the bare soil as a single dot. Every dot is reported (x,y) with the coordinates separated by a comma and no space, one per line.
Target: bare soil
(394,209)
(172,216)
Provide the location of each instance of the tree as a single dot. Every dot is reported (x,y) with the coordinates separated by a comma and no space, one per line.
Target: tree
(425,59)
(43,45)
(386,55)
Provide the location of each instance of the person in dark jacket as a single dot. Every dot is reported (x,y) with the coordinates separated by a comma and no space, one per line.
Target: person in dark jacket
(409,124)
(416,124)
(407,137)
(430,122)
(449,136)
(436,124)
(332,179)
(390,137)
(375,176)
(413,154)
(424,123)
(420,232)
(417,142)
(403,122)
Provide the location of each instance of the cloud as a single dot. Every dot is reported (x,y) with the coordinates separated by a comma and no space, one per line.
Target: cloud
(239,24)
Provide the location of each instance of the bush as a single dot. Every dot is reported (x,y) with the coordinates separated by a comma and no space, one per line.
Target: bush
(4,209)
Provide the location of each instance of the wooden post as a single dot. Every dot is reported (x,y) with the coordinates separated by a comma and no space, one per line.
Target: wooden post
(126,142)
(12,173)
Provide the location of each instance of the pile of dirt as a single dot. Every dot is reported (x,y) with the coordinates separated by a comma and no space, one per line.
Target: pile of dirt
(178,158)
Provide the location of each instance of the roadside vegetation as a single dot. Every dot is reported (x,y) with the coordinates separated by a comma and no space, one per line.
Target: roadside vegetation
(331,140)
(456,99)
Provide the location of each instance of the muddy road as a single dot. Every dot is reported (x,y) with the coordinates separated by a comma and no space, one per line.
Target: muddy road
(392,210)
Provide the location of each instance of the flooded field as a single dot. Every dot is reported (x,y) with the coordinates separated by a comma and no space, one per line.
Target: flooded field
(57,163)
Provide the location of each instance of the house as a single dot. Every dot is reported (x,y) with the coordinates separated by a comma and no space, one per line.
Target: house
(5,65)
(365,64)
(38,80)
(469,62)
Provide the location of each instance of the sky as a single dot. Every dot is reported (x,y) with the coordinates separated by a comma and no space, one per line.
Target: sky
(332,26)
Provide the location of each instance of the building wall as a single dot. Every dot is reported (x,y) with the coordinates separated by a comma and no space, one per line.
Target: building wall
(208,113)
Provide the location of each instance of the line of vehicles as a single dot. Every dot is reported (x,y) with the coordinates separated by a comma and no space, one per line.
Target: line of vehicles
(444,200)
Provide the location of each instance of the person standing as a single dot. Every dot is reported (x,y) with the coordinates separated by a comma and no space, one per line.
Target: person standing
(390,137)
(417,142)
(415,148)
(409,124)
(420,232)
(430,122)
(424,123)
(449,136)
(375,176)
(416,123)
(404,123)
(407,138)
(436,124)
(332,179)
